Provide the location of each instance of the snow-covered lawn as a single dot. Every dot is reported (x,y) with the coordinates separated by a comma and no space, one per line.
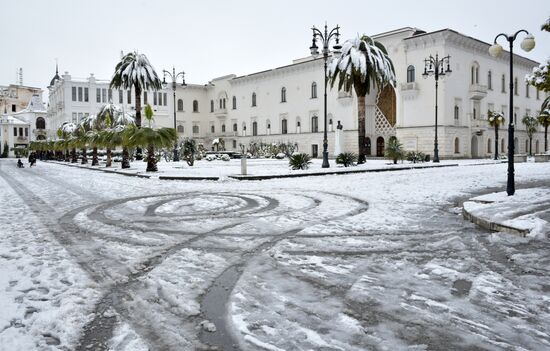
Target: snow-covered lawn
(347,262)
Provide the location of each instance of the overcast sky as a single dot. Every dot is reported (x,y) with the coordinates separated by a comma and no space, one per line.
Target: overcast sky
(208,39)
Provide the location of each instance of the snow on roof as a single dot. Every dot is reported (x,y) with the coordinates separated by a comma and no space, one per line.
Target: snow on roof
(7,119)
(36,104)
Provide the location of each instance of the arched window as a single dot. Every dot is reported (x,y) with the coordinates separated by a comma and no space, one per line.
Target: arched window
(195,106)
(254,128)
(298,124)
(180,129)
(457,146)
(527,90)
(502,145)
(40,123)
(180,105)
(234,102)
(212,129)
(235,127)
(314,124)
(410,74)
(489,145)
(490,80)
(223,128)
(284,127)
(516,86)
(253,99)
(457,113)
(283,94)
(221,103)
(474,79)
(314,90)
(503,83)
(211,105)
(195,129)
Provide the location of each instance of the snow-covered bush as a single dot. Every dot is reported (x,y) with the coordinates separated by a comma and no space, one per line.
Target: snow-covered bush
(225,157)
(210,157)
(415,156)
(299,161)
(346,159)
(280,156)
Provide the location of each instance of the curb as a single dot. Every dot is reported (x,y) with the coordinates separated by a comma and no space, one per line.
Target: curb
(492,226)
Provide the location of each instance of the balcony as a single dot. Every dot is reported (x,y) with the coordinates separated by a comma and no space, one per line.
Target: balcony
(22,139)
(221,113)
(409,90)
(477,91)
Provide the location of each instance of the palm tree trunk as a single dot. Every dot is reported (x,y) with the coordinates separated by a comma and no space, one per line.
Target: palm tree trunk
(109,158)
(530,145)
(73,158)
(125,158)
(361,128)
(139,153)
(84,156)
(95,161)
(151,160)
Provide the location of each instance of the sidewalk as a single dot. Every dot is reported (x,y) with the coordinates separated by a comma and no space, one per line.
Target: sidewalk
(526,213)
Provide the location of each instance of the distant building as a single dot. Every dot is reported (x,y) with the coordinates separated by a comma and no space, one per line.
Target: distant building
(285,104)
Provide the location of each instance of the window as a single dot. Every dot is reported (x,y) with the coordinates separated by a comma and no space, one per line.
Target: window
(314,90)
(234,103)
(14,131)
(475,73)
(104,95)
(195,129)
(144,97)
(74,117)
(13,108)
(160,99)
(80,94)
(314,124)
(40,123)
(538,95)
(457,146)
(211,105)
(502,145)
(195,106)
(516,86)
(130,96)
(527,90)
(254,128)
(180,129)
(234,127)
(253,99)
(98,95)
(180,105)
(474,113)
(223,128)
(489,145)
(314,150)
(165,99)
(457,113)
(503,84)
(283,94)
(86,94)
(110,95)
(410,74)
(223,103)
(154,98)
(120,99)
(490,80)
(74,93)
(234,144)
(26,132)
(80,115)
(212,129)
(284,128)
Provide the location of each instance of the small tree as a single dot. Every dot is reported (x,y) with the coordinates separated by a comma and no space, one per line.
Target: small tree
(496,119)
(544,120)
(189,151)
(394,150)
(6,150)
(531,125)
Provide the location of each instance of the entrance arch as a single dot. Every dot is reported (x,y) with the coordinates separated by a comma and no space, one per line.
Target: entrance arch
(387,104)
(380,147)
(475,150)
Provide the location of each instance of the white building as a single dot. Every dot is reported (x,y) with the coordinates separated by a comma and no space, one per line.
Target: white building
(285,104)
(72,99)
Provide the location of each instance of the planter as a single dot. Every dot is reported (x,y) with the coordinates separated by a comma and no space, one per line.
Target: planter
(520,158)
(541,157)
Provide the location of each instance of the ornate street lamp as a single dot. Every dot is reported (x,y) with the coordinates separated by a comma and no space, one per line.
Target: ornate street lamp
(495,50)
(439,68)
(174,77)
(325,38)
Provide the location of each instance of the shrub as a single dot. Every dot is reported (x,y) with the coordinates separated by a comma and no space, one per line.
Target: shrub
(346,159)
(280,156)
(190,151)
(299,161)
(5,151)
(415,156)
(225,157)
(210,157)
(394,150)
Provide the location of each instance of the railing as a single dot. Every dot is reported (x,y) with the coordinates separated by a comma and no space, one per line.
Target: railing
(477,91)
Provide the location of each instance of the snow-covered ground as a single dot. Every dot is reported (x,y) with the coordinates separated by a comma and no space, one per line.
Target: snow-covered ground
(380,261)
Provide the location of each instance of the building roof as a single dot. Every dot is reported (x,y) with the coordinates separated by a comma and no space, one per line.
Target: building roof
(36,104)
(56,77)
(7,119)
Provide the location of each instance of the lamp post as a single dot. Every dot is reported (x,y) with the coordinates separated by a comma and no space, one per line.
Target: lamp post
(325,38)
(434,66)
(174,77)
(527,44)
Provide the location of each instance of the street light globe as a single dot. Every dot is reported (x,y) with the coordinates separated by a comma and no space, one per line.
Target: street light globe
(528,43)
(495,50)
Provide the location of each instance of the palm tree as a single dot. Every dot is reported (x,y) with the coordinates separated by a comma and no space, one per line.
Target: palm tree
(66,131)
(531,125)
(122,121)
(147,136)
(544,120)
(364,62)
(135,71)
(496,119)
(394,150)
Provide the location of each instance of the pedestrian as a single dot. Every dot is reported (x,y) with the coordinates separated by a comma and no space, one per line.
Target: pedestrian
(19,163)
(32,159)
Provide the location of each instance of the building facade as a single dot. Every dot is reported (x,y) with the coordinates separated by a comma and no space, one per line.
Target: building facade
(285,104)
